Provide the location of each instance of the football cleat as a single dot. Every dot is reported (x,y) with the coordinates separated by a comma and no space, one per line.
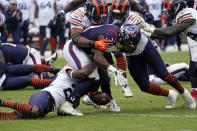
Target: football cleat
(189,99)
(67,108)
(49,61)
(127,91)
(194,94)
(113,106)
(172,96)
(88,101)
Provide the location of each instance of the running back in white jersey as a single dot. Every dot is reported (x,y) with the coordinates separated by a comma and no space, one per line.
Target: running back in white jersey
(46,11)
(25,6)
(154,7)
(61,87)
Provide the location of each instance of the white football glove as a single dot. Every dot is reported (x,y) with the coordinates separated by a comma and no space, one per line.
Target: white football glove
(149,28)
(118,77)
(147,34)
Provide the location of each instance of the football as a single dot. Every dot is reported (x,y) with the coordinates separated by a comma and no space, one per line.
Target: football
(100,98)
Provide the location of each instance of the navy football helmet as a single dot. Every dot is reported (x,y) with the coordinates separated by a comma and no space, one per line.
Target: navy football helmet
(96,11)
(120,11)
(128,38)
(173,7)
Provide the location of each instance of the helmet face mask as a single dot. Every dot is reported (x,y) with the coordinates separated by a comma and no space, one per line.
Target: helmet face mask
(129,37)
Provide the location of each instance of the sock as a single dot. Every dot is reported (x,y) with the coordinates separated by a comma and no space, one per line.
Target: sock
(53,43)
(42,68)
(38,83)
(43,62)
(8,116)
(121,64)
(157,90)
(174,82)
(40,42)
(22,108)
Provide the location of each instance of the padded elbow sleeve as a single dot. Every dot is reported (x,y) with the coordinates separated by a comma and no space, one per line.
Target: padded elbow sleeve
(75,37)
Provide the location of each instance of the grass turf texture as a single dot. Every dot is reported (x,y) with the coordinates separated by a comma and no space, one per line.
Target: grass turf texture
(143,112)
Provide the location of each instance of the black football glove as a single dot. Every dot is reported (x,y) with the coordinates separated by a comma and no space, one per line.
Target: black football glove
(148,17)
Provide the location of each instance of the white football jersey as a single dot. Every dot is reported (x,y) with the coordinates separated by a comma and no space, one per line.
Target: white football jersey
(25,6)
(78,19)
(154,7)
(191,32)
(5,4)
(46,11)
(61,87)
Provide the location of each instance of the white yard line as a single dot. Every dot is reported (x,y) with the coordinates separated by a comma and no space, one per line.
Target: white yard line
(152,115)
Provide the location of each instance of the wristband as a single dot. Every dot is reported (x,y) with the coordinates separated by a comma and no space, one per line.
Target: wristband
(92,44)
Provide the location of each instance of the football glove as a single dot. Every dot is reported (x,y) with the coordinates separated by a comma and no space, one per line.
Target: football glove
(148,17)
(101,45)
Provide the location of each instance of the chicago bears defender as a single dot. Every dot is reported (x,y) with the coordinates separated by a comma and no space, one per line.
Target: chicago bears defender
(140,53)
(50,98)
(3,31)
(185,19)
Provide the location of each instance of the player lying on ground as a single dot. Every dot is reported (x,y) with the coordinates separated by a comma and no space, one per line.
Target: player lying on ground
(20,76)
(180,70)
(185,21)
(50,98)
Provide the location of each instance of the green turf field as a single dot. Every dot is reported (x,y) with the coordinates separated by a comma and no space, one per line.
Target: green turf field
(143,112)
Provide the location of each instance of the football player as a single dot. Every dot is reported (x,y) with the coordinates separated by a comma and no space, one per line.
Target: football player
(184,20)
(180,70)
(140,52)
(25,6)
(44,7)
(54,95)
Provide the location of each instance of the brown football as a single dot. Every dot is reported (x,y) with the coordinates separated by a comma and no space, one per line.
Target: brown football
(100,98)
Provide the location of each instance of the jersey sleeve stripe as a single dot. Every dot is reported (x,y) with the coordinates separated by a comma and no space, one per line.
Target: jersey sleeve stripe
(184,18)
(77,14)
(75,22)
(81,12)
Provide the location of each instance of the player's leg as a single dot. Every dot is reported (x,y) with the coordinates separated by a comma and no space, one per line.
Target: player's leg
(42,36)
(121,64)
(40,104)
(138,70)
(19,82)
(155,62)
(193,78)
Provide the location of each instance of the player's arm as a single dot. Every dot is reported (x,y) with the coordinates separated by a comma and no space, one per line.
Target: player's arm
(73,4)
(167,32)
(82,73)
(55,7)
(137,7)
(79,40)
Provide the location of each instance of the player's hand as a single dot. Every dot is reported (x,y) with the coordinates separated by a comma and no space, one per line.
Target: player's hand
(149,28)
(117,74)
(101,45)
(59,14)
(148,17)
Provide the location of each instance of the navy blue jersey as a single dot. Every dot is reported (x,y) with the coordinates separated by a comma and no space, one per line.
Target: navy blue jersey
(110,32)
(14,54)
